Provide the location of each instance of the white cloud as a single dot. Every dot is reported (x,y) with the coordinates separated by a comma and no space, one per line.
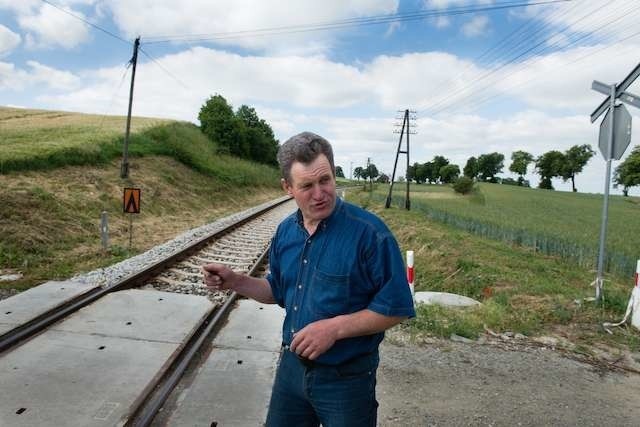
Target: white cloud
(563,79)
(477,26)
(51,27)
(593,21)
(53,78)
(417,80)
(8,40)
(159,18)
(16,79)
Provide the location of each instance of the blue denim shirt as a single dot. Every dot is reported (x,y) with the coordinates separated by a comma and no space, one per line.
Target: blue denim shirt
(350,263)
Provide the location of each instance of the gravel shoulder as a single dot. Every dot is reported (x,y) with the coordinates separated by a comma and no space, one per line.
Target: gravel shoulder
(446,383)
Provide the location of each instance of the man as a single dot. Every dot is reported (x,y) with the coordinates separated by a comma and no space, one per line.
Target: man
(338,272)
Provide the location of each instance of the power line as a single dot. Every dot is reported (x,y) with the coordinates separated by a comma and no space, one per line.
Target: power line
(441,105)
(513,36)
(463,98)
(486,99)
(164,69)
(345,23)
(86,22)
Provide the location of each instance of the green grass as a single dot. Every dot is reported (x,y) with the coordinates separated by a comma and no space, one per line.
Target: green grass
(45,140)
(521,291)
(552,222)
(39,139)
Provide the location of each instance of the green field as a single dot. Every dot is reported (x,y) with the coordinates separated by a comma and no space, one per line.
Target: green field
(551,222)
(521,291)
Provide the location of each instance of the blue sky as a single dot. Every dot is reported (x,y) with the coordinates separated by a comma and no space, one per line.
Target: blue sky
(481,81)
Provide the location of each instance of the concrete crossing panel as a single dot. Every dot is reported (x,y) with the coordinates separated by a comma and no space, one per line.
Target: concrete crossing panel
(28,305)
(93,367)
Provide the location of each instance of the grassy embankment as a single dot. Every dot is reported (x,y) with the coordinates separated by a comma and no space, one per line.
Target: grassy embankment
(59,171)
(523,290)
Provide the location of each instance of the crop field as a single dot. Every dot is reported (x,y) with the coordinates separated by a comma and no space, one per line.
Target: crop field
(551,222)
(40,139)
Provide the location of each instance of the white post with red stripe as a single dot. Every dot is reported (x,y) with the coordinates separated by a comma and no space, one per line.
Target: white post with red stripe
(633,307)
(635,296)
(410,271)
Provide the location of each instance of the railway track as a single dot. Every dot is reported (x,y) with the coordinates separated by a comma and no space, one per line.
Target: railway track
(144,330)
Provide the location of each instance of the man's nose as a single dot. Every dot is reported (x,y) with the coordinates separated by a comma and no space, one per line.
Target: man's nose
(316,192)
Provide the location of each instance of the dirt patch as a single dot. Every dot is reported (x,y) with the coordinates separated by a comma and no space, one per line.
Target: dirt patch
(445,383)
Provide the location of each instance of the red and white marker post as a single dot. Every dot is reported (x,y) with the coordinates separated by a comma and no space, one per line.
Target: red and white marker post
(410,272)
(635,296)
(633,307)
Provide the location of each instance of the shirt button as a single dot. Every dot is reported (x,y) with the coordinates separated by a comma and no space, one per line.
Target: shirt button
(292,330)
(299,286)
(304,261)
(295,308)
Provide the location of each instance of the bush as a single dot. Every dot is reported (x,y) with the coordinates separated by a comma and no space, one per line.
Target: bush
(463,185)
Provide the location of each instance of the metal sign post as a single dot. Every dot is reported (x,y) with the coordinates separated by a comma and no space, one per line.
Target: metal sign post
(615,135)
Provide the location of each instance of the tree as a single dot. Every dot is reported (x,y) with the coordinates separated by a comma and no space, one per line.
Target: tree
(549,165)
(371,172)
(437,163)
(242,134)
(383,178)
(339,172)
(519,162)
(218,122)
(422,172)
(576,158)
(489,165)
(627,173)
(411,172)
(358,173)
(463,185)
(449,173)
(259,142)
(471,168)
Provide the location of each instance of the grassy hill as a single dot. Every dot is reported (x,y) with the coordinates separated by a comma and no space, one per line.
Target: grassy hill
(60,170)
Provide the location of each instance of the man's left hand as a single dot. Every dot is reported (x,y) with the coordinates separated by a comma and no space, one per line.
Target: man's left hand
(314,339)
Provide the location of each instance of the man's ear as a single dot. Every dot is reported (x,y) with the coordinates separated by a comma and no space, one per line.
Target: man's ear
(285,186)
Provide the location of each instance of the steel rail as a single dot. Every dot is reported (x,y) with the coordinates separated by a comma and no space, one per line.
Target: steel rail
(29,329)
(150,405)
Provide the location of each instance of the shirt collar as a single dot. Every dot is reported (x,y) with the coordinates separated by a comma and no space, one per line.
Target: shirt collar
(323,224)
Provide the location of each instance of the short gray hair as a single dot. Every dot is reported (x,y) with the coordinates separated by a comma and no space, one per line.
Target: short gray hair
(304,147)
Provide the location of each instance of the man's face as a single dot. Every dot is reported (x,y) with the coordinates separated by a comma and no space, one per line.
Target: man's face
(314,188)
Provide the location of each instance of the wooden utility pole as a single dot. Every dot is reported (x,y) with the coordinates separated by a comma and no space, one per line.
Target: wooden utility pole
(124,169)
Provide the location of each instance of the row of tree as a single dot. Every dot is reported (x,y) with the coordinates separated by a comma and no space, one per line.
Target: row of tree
(241,133)
(486,167)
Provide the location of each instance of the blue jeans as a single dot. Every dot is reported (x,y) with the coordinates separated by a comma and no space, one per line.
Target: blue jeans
(334,396)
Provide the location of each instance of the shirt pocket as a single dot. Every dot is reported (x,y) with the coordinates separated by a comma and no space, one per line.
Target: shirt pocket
(329,294)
